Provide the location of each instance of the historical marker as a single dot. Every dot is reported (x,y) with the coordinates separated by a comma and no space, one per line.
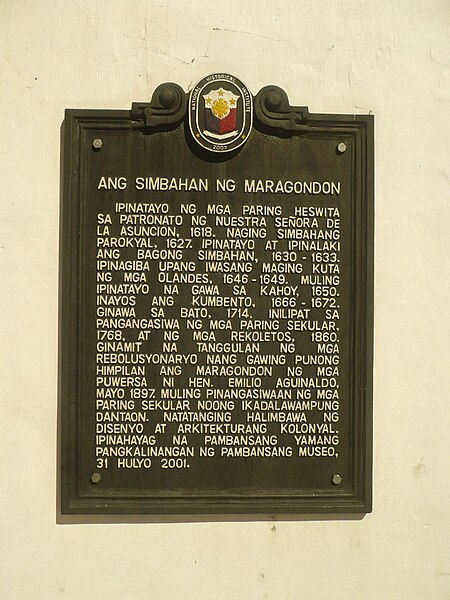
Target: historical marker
(216,306)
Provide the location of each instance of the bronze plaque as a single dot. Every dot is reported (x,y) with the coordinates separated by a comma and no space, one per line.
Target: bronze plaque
(216,306)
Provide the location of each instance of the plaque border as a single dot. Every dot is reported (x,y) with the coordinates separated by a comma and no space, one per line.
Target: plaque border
(282,121)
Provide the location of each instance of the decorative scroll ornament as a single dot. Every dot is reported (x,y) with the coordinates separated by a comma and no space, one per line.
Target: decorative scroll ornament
(273,111)
(166,109)
(220,112)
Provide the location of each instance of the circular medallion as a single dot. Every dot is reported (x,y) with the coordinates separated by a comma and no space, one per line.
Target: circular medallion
(220,113)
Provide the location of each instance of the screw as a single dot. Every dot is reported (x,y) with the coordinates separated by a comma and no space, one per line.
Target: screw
(95,478)
(336,479)
(341,148)
(97,144)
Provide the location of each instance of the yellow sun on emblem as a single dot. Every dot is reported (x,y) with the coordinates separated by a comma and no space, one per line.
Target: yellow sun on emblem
(220,108)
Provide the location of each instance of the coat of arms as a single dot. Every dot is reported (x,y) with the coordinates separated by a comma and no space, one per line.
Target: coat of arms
(220,113)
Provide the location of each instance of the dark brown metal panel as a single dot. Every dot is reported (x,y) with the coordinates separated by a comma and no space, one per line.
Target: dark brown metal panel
(288,144)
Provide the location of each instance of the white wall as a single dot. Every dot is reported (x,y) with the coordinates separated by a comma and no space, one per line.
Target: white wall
(391,58)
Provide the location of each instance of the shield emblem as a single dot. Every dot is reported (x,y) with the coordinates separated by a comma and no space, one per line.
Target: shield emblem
(220,113)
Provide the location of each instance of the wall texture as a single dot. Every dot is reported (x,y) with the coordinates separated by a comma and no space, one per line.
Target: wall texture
(390,58)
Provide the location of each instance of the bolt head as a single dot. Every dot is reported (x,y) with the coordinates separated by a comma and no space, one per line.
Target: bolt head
(97,143)
(96,478)
(336,479)
(341,148)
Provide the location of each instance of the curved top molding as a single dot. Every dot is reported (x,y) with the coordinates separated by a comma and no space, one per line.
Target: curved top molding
(272,111)
(166,109)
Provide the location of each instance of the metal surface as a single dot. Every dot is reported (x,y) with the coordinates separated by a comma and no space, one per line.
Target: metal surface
(286,144)
(96,478)
(336,479)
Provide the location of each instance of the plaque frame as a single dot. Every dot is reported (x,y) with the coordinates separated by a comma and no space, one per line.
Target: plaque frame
(273,116)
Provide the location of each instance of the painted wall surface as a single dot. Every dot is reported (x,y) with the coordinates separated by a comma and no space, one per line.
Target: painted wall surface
(389,58)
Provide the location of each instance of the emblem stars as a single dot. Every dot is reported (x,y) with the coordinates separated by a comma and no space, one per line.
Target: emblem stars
(220,113)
